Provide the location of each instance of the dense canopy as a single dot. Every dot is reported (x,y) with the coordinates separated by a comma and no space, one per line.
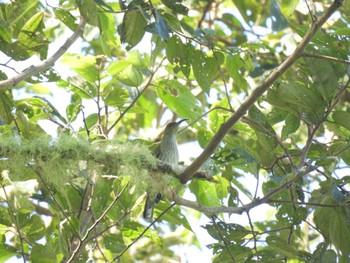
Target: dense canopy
(86,87)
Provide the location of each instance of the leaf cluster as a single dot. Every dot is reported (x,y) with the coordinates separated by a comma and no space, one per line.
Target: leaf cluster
(265,89)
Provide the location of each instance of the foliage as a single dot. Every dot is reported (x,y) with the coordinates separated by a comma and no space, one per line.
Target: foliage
(265,89)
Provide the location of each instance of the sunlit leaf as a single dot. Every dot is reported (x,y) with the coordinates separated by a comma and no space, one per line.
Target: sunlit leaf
(85,66)
(179,99)
(133,28)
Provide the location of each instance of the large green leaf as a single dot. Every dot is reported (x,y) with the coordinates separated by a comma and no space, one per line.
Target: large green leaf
(66,17)
(132,28)
(342,118)
(6,106)
(175,50)
(4,29)
(179,99)
(130,76)
(205,192)
(263,129)
(89,11)
(161,26)
(31,38)
(200,70)
(288,7)
(333,223)
(291,125)
(325,77)
(280,246)
(176,6)
(114,95)
(78,85)
(85,66)
(43,253)
(109,40)
(298,99)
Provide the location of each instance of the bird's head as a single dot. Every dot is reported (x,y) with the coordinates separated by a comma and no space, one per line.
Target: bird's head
(173,127)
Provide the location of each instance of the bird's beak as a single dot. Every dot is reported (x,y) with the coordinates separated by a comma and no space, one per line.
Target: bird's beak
(182,120)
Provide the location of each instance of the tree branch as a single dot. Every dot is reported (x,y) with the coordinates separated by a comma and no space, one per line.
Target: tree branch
(333,59)
(260,90)
(212,210)
(32,70)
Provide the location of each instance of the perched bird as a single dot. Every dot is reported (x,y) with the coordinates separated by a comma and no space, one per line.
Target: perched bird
(166,152)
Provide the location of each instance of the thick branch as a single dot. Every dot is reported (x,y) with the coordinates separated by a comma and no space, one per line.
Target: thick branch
(260,90)
(32,70)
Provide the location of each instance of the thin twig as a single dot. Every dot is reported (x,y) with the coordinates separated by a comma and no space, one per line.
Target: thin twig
(143,232)
(32,70)
(333,59)
(223,240)
(147,85)
(15,221)
(98,220)
(38,172)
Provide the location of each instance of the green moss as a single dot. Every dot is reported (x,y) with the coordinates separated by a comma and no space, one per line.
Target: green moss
(57,162)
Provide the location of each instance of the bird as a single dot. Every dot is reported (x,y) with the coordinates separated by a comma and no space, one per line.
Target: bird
(167,152)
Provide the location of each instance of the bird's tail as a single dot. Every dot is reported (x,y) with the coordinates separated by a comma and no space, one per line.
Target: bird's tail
(149,206)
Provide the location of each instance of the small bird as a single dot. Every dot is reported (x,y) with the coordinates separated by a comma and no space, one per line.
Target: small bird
(166,152)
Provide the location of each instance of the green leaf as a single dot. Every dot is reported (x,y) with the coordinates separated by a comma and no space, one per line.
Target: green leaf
(38,88)
(175,50)
(91,120)
(173,216)
(222,231)
(85,89)
(6,252)
(114,243)
(132,28)
(66,233)
(117,67)
(89,11)
(213,64)
(66,17)
(31,38)
(30,27)
(263,129)
(179,99)
(282,247)
(85,66)
(161,26)
(43,253)
(35,229)
(234,65)
(114,95)
(325,78)
(288,7)
(334,226)
(104,6)
(291,125)
(130,76)
(5,33)
(176,6)
(6,106)
(172,22)
(109,40)
(5,218)
(200,71)
(74,108)
(342,118)
(205,192)
(297,99)
(222,187)
(342,31)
